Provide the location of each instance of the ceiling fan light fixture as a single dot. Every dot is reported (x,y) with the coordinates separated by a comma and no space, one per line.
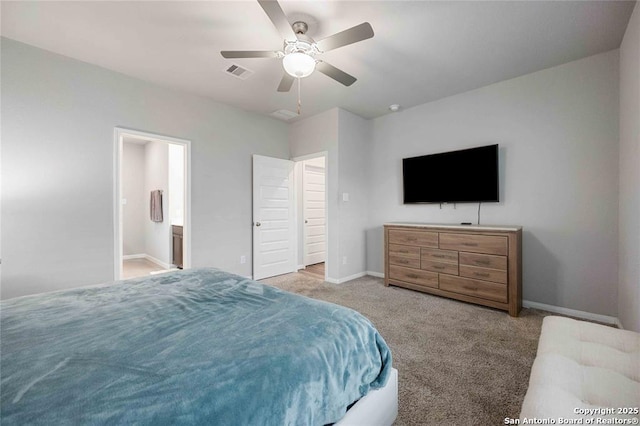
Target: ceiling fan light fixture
(298,64)
(299,49)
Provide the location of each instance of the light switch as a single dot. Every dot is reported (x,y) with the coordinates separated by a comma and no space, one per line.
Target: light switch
(345,196)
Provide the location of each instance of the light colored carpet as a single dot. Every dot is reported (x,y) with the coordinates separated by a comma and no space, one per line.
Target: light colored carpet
(458,363)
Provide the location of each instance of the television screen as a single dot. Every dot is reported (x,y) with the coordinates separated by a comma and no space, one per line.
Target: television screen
(469,175)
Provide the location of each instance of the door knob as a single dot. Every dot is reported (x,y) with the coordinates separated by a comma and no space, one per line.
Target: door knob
(306,221)
(257,223)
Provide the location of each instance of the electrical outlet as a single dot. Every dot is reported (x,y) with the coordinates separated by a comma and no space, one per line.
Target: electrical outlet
(344,260)
(243,259)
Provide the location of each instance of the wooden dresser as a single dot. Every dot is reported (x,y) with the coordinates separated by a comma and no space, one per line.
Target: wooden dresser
(477,264)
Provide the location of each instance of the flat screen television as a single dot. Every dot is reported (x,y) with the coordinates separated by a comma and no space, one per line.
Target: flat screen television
(465,176)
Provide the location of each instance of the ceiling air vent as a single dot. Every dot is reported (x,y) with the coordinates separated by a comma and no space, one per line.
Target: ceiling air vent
(238,71)
(284,114)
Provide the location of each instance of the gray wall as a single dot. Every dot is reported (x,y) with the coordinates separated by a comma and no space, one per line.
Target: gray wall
(558,136)
(157,234)
(629,215)
(145,168)
(58,119)
(353,143)
(133,213)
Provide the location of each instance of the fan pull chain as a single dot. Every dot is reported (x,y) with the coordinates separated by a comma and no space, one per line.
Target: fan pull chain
(299,102)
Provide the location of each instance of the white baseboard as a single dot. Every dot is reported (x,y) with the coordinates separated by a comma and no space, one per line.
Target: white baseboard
(149,258)
(158,262)
(354,276)
(133,256)
(606,319)
(345,279)
(301,267)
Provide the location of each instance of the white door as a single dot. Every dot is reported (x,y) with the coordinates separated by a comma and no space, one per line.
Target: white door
(314,211)
(274,232)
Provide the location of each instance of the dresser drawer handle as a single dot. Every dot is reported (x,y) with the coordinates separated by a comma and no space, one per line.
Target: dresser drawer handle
(466,287)
(438,267)
(403,261)
(470,244)
(403,251)
(412,239)
(478,274)
(439,256)
(414,276)
(482,262)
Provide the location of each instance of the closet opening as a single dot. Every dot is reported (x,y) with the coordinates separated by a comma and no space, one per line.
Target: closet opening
(311,184)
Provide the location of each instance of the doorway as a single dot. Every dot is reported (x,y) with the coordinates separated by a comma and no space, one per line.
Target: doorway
(311,183)
(290,211)
(152,211)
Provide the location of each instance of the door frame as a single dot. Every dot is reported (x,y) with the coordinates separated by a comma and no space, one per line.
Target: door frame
(118,134)
(300,220)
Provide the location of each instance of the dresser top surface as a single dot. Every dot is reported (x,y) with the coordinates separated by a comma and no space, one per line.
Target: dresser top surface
(504,228)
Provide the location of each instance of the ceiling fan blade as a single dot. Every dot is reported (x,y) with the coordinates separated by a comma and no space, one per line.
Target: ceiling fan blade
(335,73)
(278,18)
(346,37)
(249,54)
(285,83)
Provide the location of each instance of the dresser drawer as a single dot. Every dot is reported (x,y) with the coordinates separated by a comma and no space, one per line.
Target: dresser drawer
(404,251)
(415,276)
(486,274)
(413,238)
(442,267)
(481,289)
(396,259)
(484,261)
(435,255)
(488,244)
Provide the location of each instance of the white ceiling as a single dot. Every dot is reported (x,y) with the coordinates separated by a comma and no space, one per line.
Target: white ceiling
(421,51)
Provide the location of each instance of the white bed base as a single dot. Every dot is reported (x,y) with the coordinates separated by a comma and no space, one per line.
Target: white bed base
(378,408)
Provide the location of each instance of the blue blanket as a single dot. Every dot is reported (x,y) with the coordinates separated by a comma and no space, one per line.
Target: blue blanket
(190,347)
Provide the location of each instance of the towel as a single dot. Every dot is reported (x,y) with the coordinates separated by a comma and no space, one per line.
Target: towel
(156,206)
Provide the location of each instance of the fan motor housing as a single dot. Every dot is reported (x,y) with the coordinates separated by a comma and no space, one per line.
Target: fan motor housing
(300,27)
(301,46)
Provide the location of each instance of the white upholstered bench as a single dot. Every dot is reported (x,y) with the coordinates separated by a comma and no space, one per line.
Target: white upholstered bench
(581,369)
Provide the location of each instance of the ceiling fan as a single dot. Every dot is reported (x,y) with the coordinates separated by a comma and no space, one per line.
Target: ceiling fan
(299,51)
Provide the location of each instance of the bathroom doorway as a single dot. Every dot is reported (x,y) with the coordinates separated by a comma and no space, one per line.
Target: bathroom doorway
(151,204)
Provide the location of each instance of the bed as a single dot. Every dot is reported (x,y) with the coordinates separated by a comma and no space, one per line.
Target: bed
(188,347)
